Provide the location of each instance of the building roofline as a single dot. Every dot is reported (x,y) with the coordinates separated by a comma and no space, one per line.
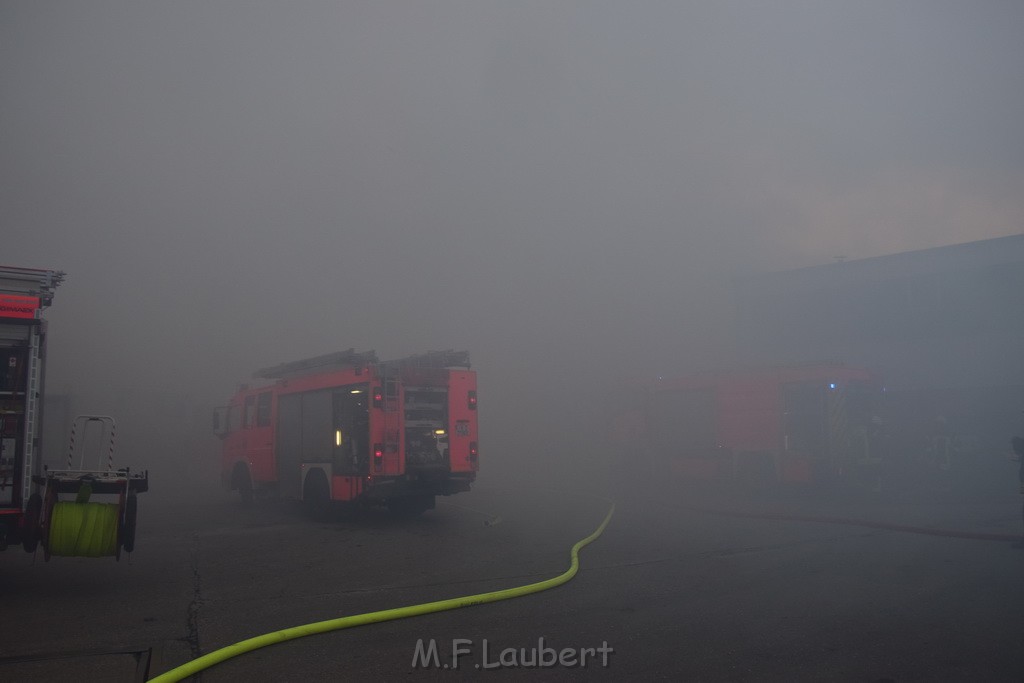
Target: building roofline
(995,251)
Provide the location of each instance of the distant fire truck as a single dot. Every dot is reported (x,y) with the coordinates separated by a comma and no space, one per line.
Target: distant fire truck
(347,427)
(799,424)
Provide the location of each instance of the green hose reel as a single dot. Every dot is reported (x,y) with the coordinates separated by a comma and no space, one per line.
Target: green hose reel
(83,529)
(81,526)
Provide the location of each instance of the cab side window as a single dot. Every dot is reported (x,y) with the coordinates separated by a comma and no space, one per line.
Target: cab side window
(234,417)
(263,410)
(250,411)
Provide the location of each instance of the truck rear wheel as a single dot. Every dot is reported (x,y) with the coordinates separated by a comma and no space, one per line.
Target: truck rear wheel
(316,496)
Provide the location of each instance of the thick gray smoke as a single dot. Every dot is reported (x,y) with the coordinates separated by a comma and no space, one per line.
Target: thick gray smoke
(566,190)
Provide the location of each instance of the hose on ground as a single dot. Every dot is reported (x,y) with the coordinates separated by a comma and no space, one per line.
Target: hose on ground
(218,656)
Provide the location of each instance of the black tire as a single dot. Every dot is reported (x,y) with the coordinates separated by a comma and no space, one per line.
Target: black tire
(316,496)
(131,510)
(30,523)
(243,484)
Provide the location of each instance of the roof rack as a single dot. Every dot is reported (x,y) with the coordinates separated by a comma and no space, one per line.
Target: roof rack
(431,360)
(325,363)
(31,281)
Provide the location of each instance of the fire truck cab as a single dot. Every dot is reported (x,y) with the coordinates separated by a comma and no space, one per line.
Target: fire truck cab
(345,427)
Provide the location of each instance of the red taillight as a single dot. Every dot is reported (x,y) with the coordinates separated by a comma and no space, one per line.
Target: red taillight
(473,453)
(472,399)
(378,398)
(378,455)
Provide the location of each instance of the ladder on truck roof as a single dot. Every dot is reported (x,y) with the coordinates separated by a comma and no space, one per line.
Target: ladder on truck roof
(326,363)
(431,360)
(32,394)
(351,358)
(30,282)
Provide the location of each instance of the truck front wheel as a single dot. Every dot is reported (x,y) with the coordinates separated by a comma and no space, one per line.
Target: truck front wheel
(242,482)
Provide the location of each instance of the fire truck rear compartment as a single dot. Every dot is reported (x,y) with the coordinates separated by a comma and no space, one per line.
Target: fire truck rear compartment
(426,430)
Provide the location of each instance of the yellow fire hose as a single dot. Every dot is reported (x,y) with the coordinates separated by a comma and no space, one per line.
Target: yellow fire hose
(206,661)
(83,529)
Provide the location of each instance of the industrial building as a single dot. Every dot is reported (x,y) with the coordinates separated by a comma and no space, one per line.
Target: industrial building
(944,327)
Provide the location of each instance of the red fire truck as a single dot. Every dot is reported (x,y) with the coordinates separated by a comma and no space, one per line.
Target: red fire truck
(31,509)
(801,424)
(347,427)
(24,292)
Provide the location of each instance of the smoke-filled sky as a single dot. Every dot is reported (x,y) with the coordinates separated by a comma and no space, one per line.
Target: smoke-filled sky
(560,187)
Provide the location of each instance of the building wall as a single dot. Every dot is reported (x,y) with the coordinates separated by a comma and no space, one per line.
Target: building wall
(944,327)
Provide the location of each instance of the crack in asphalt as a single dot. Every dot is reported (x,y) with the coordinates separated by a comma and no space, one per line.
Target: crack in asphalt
(196,603)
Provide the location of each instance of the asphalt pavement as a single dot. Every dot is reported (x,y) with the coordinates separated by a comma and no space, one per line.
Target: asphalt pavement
(683,585)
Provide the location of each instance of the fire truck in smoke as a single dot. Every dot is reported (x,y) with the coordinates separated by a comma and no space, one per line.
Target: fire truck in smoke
(802,424)
(24,292)
(348,428)
(31,509)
